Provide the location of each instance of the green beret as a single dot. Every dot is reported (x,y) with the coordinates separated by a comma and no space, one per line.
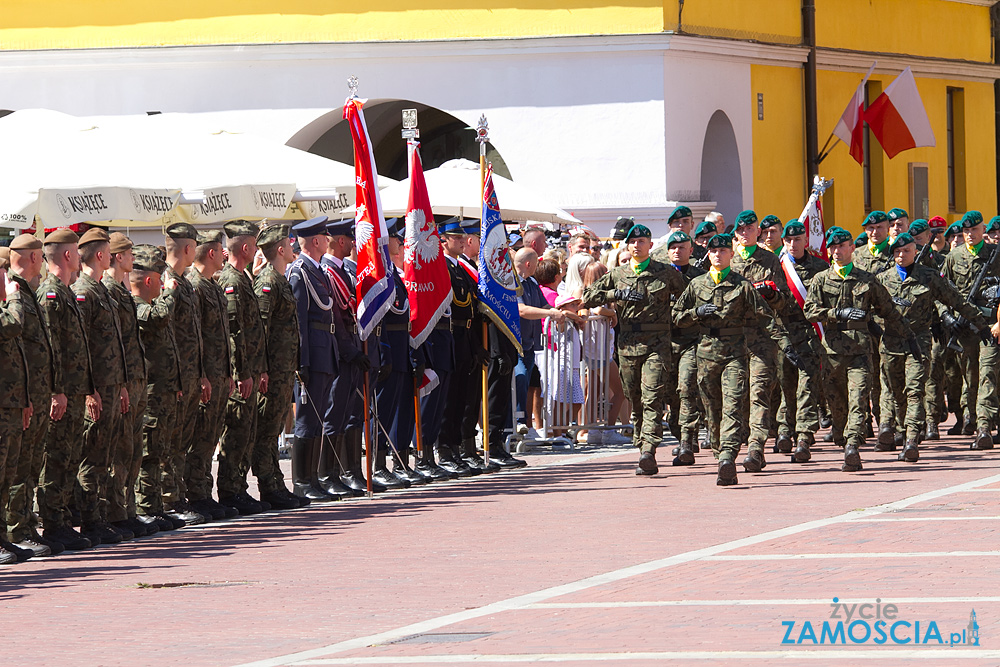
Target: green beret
(994,224)
(639,232)
(705,227)
(793,228)
(874,218)
(211,236)
(147,257)
(862,240)
(680,212)
(272,234)
(747,217)
(953,229)
(770,221)
(677,236)
(902,240)
(235,228)
(897,213)
(919,227)
(971,219)
(721,241)
(182,230)
(837,235)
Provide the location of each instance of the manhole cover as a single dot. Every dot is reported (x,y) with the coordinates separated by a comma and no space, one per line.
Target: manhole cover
(442,637)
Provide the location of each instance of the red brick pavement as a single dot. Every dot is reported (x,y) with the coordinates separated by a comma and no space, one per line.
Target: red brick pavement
(297,584)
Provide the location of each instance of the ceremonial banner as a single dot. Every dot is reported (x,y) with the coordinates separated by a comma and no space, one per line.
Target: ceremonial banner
(497,282)
(812,218)
(796,285)
(425,270)
(375,286)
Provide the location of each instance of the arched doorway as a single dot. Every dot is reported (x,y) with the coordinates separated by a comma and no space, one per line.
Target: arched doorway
(443,137)
(721,178)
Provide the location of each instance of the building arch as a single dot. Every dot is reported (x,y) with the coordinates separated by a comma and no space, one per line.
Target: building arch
(721,176)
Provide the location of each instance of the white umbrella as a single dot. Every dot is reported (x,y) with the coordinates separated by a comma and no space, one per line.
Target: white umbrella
(454,189)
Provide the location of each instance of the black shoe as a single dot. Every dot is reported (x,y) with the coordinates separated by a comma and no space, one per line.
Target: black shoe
(503,458)
(886,439)
(7,557)
(209,509)
(21,553)
(910,453)
(428,468)
(783,444)
(37,549)
(869,433)
(68,537)
(825,422)
(802,453)
(754,461)
(828,437)
(138,528)
(239,504)
(404,473)
(727,473)
(279,502)
(684,456)
(983,440)
(93,535)
(283,492)
(388,480)
(188,516)
(852,459)
(123,530)
(477,463)
(956,428)
(968,428)
(931,433)
(457,466)
(647,464)
(676,451)
(55,547)
(336,488)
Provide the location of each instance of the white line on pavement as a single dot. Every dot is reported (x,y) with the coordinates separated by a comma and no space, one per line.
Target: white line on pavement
(545,594)
(753,603)
(861,554)
(889,519)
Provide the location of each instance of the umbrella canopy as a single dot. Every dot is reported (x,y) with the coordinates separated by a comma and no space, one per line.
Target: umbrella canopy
(455,189)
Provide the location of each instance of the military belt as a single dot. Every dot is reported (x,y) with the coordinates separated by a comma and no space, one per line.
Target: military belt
(396,327)
(649,326)
(323,326)
(844,326)
(730,331)
(461,324)
(444,324)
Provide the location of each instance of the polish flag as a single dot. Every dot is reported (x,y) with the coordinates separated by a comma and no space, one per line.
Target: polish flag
(850,127)
(898,118)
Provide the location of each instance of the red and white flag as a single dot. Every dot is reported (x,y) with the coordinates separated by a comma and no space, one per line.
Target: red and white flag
(812,218)
(796,285)
(425,271)
(375,288)
(898,118)
(850,127)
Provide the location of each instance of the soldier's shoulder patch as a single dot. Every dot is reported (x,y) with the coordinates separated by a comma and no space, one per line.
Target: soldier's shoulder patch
(81,297)
(230,289)
(265,289)
(51,295)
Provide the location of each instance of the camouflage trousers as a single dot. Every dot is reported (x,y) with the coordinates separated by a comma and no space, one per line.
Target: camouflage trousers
(903,390)
(208,430)
(644,378)
(848,379)
(763,379)
(157,428)
(238,436)
(872,405)
(28,468)
(798,413)
(126,455)
(60,464)
(968,361)
(95,461)
(938,382)
(272,408)
(174,456)
(690,410)
(10,450)
(987,406)
(725,394)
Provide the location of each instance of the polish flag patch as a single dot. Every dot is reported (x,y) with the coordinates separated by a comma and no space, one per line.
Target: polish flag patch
(50,295)
(265,289)
(81,297)
(230,290)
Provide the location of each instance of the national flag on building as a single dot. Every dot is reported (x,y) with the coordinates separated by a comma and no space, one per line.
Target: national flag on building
(497,281)
(375,288)
(850,127)
(898,118)
(425,271)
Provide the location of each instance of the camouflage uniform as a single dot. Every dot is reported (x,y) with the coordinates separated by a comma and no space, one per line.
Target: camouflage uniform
(643,340)
(14,390)
(279,313)
(215,359)
(868,258)
(686,408)
(921,289)
(163,382)
(179,297)
(99,313)
(38,353)
(127,454)
(248,358)
(73,377)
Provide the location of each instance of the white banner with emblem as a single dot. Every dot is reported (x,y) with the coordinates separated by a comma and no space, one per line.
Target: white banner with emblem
(61,207)
(239,201)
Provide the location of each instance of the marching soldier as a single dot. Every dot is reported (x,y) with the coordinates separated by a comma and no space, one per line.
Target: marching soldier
(915,289)
(874,257)
(843,299)
(771,233)
(899,222)
(278,310)
(642,289)
(923,234)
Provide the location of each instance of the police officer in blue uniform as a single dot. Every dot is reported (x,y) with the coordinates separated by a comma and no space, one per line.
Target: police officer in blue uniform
(317,355)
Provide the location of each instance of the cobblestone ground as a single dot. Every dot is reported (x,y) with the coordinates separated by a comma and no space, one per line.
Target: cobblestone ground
(573,560)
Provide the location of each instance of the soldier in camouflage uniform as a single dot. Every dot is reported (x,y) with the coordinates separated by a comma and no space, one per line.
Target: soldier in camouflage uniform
(126,456)
(72,383)
(945,379)
(248,355)
(899,222)
(726,306)
(771,233)
(915,291)
(208,261)
(163,382)
(922,233)
(642,289)
(178,296)
(25,269)
(99,313)
(843,299)
(278,311)
(801,392)
(979,361)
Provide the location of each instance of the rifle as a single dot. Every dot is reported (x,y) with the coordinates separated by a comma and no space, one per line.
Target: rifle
(977,284)
(924,249)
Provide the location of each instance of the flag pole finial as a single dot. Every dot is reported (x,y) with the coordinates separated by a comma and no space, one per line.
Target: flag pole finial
(352,84)
(482,132)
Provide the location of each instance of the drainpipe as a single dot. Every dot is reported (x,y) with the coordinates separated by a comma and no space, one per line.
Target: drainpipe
(809,91)
(995,32)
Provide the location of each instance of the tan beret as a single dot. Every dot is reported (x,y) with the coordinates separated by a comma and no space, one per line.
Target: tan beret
(60,236)
(4,257)
(94,235)
(120,243)
(26,242)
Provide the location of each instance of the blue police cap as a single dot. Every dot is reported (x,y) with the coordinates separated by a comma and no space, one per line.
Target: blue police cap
(451,226)
(343,227)
(394,227)
(310,227)
(472,226)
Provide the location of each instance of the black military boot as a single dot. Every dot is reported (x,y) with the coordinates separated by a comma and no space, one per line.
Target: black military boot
(451,462)
(910,452)
(727,473)
(328,468)
(983,440)
(381,474)
(886,439)
(754,462)
(647,464)
(426,466)
(931,433)
(852,459)
(500,456)
(783,444)
(401,469)
(354,477)
(956,428)
(685,453)
(302,470)
(968,426)
(471,456)
(802,453)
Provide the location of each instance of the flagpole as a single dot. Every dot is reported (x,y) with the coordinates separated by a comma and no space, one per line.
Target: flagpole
(369,443)
(482,136)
